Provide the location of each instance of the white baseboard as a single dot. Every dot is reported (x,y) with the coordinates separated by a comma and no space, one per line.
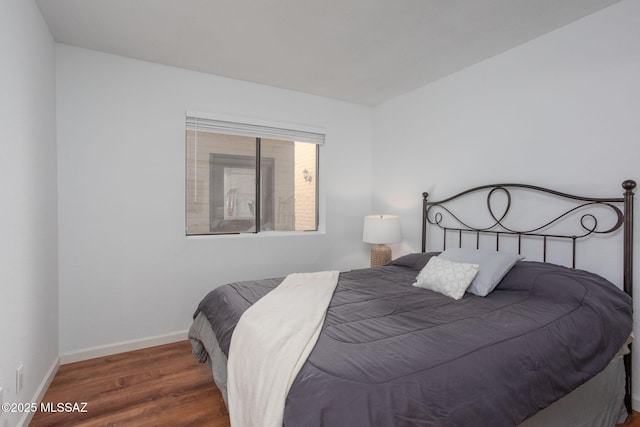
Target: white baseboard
(41,391)
(121,347)
(635,402)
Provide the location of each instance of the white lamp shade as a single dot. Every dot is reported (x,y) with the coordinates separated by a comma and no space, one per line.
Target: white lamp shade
(381,229)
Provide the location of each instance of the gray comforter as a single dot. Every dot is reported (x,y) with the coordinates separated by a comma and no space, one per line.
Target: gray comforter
(394,355)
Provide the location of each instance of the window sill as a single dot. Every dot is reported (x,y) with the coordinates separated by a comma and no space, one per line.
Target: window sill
(261,235)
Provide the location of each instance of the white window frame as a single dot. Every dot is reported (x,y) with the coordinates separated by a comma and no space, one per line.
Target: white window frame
(262,128)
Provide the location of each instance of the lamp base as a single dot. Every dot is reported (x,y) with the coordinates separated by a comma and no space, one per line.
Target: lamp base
(380,255)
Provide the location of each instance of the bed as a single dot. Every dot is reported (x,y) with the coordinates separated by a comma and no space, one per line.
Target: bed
(547,346)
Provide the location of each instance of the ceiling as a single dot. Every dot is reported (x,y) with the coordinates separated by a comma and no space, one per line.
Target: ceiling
(361,51)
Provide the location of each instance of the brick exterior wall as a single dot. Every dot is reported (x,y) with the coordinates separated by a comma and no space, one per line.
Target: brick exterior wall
(305,192)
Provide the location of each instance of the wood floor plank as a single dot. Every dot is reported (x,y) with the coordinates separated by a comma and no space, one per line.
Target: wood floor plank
(162,385)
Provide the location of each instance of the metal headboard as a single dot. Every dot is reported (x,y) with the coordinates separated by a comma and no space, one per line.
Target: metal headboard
(620,209)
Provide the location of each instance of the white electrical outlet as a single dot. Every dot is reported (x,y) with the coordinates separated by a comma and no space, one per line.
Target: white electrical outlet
(19,378)
(1,401)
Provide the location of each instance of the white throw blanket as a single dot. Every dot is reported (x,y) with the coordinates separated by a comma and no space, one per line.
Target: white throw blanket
(270,344)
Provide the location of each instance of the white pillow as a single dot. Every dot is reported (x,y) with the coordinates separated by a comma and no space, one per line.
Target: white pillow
(446,277)
(493,266)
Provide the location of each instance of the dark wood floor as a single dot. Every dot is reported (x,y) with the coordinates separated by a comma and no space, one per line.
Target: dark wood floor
(158,386)
(632,421)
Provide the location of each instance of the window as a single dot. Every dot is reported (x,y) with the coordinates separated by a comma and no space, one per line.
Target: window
(249,178)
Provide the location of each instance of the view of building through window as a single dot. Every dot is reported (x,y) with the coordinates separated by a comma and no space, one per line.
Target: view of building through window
(221,187)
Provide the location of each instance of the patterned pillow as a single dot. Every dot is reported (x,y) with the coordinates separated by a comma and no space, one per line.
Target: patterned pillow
(446,277)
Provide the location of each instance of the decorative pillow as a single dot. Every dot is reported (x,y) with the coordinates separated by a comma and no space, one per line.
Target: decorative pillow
(446,277)
(493,267)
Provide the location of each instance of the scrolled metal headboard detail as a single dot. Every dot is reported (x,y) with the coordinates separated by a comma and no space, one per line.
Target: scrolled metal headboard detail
(619,210)
(498,222)
(434,213)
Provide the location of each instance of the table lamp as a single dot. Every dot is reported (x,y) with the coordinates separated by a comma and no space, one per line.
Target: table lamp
(381,230)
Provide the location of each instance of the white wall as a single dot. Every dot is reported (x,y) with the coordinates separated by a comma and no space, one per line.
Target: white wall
(127,271)
(28,218)
(560,111)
